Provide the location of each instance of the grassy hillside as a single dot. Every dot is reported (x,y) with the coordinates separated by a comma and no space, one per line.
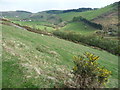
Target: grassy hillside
(26,16)
(37,25)
(79,27)
(52,20)
(109,20)
(34,60)
(88,14)
(16,15)
(56,16)
(43,16)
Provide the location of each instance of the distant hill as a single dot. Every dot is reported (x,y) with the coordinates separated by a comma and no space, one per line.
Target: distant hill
(65,15)
(81,25)
(28,16)
(106,16)
(43,16)
(91,14)
(51,15)
(109,19)
(59,15)
(70,10)
(16,14)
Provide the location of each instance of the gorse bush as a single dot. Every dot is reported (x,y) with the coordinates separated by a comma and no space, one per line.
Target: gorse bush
(111,46)
(88,73)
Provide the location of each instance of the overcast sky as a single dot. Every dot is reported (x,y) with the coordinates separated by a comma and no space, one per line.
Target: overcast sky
(41,5)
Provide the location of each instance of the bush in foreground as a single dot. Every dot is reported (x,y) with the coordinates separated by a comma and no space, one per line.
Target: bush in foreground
(88,73)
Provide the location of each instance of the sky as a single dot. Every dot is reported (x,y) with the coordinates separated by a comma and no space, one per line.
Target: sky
(42,5)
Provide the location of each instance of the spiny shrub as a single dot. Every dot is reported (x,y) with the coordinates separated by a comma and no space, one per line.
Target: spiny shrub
(88,73)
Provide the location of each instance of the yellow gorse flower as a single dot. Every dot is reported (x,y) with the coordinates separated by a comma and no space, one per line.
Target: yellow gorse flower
(74,57)
(87,65)
(91,56)
(95,58)
(75,68)
(81,58)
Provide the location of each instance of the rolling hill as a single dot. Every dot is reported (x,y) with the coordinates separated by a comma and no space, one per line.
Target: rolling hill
(33,60)
(109,20)
(43,16)
(65,15)
(106,16)
(79,27)
(15,15)
(89,14)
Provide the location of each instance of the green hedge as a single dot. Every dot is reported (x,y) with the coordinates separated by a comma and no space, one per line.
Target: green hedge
(106,44)
(95,25)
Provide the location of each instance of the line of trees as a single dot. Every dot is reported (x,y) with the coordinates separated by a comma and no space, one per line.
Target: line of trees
(77,10)
(95,25)
(96,41)
(70,10)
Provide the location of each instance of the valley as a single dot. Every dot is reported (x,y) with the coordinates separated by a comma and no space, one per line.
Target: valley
(38,48)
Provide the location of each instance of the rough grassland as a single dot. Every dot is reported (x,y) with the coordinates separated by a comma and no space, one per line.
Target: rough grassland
(36,24)
(34,60)
(79,27)
(88,14)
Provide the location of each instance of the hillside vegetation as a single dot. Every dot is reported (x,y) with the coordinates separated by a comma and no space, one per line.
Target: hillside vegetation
(88,14)
(59,19)
(39,61)
(16,15)
(109,20)
(42,25)
(38,48)
(79,27)
(70,10)
(65,15)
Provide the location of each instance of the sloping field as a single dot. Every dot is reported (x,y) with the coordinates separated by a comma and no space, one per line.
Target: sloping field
(79,27)
(88,14)
(46,26)
(34,60)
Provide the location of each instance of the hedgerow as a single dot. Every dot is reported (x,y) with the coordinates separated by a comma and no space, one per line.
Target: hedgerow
(111,46)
